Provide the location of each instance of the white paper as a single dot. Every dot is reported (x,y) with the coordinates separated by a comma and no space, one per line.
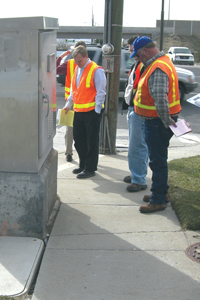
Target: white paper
(182,128)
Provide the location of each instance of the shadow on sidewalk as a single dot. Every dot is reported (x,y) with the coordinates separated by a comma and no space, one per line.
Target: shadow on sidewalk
(85,261)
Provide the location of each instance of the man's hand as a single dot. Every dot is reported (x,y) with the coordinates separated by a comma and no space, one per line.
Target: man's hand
(174,124)
(66,109)
(65,53)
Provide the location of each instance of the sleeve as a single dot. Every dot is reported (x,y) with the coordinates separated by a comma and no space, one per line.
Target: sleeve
(100,86)
(61,69)
(159,89)
(69,102)
(129,87)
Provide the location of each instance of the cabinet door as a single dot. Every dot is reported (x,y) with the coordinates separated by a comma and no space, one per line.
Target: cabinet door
(47,92)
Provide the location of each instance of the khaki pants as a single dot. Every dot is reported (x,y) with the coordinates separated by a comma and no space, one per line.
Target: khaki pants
(69,140)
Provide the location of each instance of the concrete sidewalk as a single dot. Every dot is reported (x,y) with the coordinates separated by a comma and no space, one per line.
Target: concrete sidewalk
(102,248)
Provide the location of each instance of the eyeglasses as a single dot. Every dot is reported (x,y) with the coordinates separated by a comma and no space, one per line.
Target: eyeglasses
(137,55)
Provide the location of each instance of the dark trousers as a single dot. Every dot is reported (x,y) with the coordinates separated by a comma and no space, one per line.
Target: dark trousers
(157,138)
(86,128)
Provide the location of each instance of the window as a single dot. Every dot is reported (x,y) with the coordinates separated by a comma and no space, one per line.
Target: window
(91,54)
(128,61)
(182,50)
(95,56)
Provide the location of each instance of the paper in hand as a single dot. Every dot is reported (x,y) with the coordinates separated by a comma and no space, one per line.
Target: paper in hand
(182,128)
(65,119)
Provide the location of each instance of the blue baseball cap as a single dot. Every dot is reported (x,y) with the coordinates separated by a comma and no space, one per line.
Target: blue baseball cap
(140,42)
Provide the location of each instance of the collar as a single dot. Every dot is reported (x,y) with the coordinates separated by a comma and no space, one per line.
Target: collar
(148,62)
(87,63)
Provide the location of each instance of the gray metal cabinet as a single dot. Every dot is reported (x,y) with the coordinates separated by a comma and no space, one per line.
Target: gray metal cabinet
(27,92)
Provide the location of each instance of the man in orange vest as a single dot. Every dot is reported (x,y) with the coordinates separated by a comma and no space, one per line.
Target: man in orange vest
(137,150)
(67,68)
(157,101)
(87,94)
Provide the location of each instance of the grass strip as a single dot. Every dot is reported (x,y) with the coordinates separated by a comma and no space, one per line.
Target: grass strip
(184,190)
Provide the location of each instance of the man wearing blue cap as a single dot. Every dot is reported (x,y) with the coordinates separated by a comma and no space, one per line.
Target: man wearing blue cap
(157,101)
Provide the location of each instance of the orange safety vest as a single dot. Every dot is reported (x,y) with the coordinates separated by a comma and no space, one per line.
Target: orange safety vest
(137,76)
(144,103)
(70,72)
(84,95)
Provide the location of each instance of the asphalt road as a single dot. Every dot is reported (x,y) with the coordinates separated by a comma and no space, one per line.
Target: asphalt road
(190,113)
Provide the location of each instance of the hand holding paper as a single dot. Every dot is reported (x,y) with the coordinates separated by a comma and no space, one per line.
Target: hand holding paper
(64,118)
(182,128)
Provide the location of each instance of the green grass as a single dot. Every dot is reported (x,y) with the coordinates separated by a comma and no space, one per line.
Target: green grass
(184,191)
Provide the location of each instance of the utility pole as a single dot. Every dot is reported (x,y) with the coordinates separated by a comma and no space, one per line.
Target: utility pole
(162,26)
(92,17)
(169,11)
(113,36)
(92,40)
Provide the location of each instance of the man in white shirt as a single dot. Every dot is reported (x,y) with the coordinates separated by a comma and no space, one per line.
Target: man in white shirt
(88,95)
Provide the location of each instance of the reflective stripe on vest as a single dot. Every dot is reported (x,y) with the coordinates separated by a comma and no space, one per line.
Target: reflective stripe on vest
(87,105)
(88,80)
(70,72)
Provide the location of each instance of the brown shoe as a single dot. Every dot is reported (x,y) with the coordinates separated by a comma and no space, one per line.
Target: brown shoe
(150,208)
(133,187)
(147,198)
(127,179)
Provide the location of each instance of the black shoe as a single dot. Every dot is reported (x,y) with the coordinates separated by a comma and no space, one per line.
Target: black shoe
(127,179)
(86,174)
(77,170)
(69,157)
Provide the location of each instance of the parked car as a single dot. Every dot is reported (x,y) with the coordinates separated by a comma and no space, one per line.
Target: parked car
(186,78)
(181,55)
(59,52)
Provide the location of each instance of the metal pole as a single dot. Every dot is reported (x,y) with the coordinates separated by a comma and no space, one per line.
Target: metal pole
(116,18)
(161,27)
(169,11)
(105,31)
(105,145)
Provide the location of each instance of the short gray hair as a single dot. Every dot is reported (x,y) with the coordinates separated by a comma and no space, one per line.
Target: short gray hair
(150,45)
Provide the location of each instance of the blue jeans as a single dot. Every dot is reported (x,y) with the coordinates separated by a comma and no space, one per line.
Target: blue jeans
(137,151)
(157,138)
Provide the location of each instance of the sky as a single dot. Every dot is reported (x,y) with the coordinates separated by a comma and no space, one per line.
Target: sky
(79,12)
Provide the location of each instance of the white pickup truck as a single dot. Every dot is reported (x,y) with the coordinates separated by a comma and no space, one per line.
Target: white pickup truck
(181,55)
